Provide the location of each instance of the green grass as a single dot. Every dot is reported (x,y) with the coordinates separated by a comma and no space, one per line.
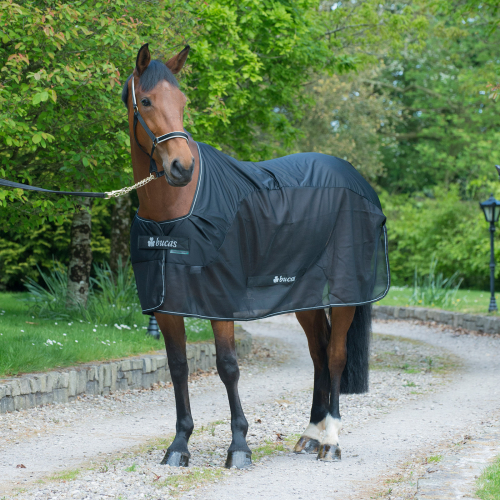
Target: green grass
(466,301)
(488,483)
(194,476)
(434,459)
(31,344)
(67,475)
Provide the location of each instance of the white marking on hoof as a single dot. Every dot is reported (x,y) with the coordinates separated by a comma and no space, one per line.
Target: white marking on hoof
(314,431)
(332,428)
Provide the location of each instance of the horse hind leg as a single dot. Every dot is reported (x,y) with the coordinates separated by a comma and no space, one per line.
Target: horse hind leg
(239,454)
(341,319)
(172,328)
(316,328)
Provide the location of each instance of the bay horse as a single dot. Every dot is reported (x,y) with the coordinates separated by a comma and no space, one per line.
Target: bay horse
(338,337)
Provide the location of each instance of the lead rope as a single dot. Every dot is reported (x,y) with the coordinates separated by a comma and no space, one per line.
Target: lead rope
(125,190)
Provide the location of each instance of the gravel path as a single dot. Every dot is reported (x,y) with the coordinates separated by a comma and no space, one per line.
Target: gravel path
(117,442)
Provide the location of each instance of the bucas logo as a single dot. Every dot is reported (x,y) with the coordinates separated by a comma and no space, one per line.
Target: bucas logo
(283,279)
(162,243)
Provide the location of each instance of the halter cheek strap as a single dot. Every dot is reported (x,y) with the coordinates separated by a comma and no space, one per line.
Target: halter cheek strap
(156,140)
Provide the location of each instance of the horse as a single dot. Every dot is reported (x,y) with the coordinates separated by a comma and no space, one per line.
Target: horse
(338,336)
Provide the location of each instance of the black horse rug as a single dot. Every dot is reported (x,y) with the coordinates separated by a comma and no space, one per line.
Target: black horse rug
(301,232)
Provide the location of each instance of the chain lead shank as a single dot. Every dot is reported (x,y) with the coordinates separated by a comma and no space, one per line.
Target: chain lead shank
(125,190)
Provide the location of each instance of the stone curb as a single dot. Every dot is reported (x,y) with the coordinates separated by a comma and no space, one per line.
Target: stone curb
(486,324)
(101,379)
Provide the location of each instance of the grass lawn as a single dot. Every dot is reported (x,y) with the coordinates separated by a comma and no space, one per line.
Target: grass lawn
(466,301)
(489,482)
(30,344)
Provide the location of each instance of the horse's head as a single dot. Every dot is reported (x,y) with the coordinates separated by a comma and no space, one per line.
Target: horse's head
(161,103)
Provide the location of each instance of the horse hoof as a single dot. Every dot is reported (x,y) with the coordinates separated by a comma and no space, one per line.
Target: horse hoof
(306,445)
(329,453)
(239,459)
(176,458)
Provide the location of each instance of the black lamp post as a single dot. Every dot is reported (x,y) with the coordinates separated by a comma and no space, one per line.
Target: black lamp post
(491,209)
(153,329)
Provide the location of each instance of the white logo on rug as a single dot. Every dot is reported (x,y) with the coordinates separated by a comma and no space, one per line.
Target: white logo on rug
(283,279)
(151,242)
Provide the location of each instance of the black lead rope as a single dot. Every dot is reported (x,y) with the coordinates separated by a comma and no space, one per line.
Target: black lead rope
(27,187)
(152,164)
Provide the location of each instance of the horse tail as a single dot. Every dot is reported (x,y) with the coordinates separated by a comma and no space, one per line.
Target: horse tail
(355,375)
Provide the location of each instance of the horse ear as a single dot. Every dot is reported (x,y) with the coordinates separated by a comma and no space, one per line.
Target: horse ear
(143,59)
(177,62)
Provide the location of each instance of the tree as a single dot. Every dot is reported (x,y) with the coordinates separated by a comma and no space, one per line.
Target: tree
(351,120)
(62,124)
(450,127)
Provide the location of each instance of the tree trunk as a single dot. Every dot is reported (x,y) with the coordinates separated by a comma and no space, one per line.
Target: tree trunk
(120,232)
(80,256)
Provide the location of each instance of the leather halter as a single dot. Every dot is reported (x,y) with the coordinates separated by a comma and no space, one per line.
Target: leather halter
(156,140)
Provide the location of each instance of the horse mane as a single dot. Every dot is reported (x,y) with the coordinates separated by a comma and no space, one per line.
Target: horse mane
(155,73)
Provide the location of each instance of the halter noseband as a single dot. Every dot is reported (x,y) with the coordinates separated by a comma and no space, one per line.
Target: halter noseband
(156,140)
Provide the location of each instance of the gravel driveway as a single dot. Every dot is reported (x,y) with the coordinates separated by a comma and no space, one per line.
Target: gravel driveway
(420,399)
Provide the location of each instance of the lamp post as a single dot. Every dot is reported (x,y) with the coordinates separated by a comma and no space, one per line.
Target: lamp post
(491,209)
(153,329)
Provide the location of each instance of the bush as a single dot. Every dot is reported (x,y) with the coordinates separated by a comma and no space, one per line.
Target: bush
(112,299)
(435,290)
(440,226)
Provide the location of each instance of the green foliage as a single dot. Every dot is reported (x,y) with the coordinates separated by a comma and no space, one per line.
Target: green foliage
(440,225)
(350,120)
(435,290)
(112,299)
(22,251)
(62,124)
(450,127)
(249,68)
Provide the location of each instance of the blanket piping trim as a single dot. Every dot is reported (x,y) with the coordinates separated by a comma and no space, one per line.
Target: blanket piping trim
(386,291)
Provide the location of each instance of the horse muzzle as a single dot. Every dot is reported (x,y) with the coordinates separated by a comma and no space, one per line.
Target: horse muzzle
(177,175)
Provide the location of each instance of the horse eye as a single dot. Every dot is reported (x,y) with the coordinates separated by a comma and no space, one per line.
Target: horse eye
(146,102)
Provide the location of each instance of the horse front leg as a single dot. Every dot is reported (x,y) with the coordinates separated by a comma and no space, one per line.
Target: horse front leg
(239,454)
(172,328)
(316,328)
(342,317)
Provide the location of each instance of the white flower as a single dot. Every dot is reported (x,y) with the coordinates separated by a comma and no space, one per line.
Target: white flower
(113,342)
(118,326)
(102,342)
(69,324)
(64,334)
(32,344)
(125,326)
(59,343)
(105,325)
(55,323)
(95,326)
(94,330)
(76,340)
(22,331)
(135,326)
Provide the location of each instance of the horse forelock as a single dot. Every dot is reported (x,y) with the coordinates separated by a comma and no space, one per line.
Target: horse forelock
(155,73)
